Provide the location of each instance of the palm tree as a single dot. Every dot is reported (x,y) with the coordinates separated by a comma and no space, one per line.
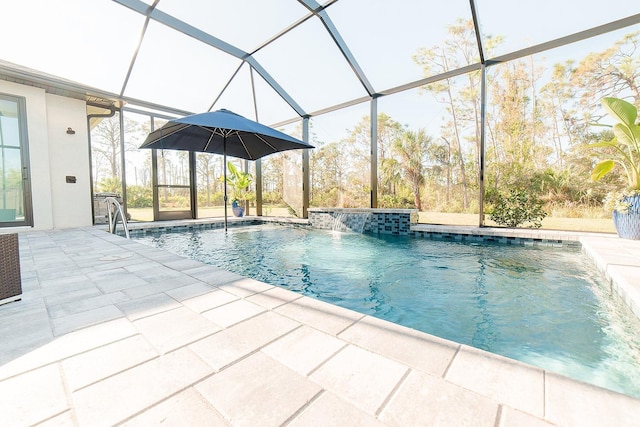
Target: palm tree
(411,147)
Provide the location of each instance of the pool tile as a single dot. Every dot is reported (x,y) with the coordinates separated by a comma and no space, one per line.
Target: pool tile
(571,402)
(627,285)
(329,410)
(505,380)
(304,349)
(323,316)
(363,378)
(187,408)
(440,403)
(258,391)
(125,394)
(43,385)
(233,312)
(413,348)
(172,329)
(238,341)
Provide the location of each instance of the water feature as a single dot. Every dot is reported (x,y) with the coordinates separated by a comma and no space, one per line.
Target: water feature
(350,221)
(545,306)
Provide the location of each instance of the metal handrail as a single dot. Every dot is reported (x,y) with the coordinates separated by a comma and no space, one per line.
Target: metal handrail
(113,217)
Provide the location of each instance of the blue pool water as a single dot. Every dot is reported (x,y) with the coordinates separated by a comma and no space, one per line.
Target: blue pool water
(545,306)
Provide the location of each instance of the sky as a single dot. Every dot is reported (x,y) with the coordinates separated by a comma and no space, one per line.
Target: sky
(94,41)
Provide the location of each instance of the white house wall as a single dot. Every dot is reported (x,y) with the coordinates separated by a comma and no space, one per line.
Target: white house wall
(53,154)
(68,156)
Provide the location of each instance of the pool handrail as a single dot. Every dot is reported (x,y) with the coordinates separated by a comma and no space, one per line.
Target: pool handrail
(112,202)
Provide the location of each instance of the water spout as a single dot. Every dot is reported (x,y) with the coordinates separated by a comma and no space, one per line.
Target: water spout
(350,221)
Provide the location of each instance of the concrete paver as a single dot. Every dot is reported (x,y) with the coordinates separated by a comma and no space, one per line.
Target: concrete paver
(514,383)
(440,402)
(330,410)
(232,344)
(304,349)
(363,378)
(121,396)
(258,391)
(110,331)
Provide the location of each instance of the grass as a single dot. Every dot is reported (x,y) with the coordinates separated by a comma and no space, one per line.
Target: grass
(600,225)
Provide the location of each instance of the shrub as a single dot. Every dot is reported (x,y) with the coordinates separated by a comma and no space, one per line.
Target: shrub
(396,201)
(139,197)
(519,207)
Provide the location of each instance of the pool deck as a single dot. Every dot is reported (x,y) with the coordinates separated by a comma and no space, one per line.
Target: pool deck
(112,332)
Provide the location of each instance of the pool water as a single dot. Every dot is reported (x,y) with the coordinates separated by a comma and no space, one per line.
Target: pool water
(548,307)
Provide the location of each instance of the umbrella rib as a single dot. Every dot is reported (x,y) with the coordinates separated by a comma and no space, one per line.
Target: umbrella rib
(245,146)
(209,141)
(172,132)
(267,142)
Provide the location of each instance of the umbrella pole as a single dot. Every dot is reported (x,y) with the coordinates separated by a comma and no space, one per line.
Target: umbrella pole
(224,154)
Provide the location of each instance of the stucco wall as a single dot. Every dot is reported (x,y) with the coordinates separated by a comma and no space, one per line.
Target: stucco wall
(52,156)
(69,156)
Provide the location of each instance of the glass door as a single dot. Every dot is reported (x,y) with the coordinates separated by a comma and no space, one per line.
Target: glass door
(174,185)
(15,192)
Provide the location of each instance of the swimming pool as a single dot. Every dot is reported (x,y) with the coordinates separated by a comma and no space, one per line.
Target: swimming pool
(545,306)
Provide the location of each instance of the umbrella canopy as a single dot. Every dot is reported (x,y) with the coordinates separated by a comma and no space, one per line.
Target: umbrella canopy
(222,132)
(213,132)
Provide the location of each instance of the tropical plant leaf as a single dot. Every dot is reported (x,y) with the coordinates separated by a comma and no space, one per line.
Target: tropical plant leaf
(232,168)
(601,169)
(623,133)
(602,144)
(636,135)
(625,112)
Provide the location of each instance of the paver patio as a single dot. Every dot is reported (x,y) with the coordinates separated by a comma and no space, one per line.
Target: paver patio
(112,332)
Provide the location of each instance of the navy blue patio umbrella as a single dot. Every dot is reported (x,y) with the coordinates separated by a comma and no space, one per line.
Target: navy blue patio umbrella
(222,132)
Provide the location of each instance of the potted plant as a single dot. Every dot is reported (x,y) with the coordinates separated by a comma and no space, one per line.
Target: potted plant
(238,183)
(624,151)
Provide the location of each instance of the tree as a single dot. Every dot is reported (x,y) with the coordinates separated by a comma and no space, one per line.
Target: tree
(205,166)
(462,100)
(614,72)
(105,145)
(517,131)
(328,168)
(388,130)
(412,148)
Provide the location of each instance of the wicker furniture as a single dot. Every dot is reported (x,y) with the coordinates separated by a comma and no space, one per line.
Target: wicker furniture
(10,282)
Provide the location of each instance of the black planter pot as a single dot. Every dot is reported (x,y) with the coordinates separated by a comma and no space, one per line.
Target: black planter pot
(628,224)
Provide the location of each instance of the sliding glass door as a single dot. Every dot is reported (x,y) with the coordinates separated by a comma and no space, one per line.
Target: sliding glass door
(15,193)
